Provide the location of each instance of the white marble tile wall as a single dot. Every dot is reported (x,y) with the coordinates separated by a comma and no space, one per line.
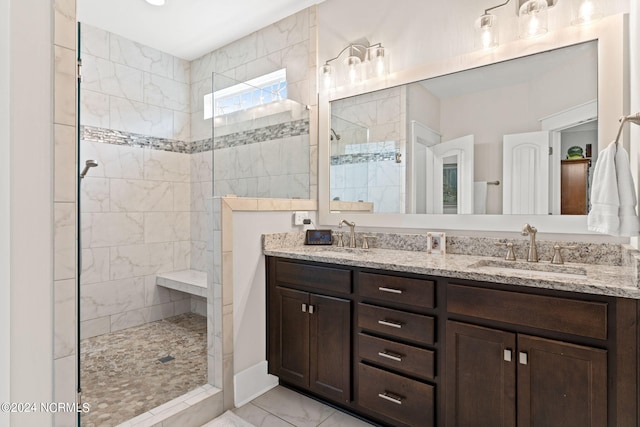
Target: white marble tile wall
(272,169)
(130,87)
(383,115)
(380,182)
(64,197)
(136,222)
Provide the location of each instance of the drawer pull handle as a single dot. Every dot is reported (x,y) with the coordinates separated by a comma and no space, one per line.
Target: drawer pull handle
(304,308)
(393,356)
(389,290)
(395,399)
(390,323)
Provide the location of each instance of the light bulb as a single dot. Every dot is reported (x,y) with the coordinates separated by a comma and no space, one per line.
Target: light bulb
(487,31)
(586,11)
(533,19)
(326,76)
(352,64)
(156,2)
(534,26)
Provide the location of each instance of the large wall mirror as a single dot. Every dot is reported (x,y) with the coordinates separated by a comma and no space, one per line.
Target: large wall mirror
(510,138)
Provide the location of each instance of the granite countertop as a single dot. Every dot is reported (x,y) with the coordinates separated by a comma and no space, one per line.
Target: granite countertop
(611,280)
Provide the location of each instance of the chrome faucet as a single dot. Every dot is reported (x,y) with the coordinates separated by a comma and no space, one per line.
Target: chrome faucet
(530,231)
(352,237)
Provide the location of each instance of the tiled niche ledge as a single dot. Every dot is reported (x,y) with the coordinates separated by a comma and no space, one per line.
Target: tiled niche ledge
(587,253)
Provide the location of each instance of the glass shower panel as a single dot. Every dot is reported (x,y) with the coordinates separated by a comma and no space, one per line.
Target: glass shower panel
(260,141)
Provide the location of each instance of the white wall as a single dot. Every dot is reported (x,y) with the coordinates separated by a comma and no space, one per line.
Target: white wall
(249,289)
(5,166)
(31,207)
(634,63)
(418,31)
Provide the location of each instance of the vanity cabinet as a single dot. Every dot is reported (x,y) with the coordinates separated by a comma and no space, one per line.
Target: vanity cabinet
(410,350)
(494,375)
(396,334)
(310,328)
(507,376)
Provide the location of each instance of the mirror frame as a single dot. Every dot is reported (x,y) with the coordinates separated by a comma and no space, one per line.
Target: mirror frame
(610,32)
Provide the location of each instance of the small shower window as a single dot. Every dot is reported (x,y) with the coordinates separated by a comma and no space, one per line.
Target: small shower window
(242,96)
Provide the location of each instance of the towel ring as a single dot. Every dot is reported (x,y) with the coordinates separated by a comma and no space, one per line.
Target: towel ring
(633,118)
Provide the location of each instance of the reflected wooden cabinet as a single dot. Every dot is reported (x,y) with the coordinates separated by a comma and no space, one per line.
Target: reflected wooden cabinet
(574,186)
(495,375)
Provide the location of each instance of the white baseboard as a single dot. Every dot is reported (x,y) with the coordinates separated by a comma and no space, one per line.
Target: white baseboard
(252,382)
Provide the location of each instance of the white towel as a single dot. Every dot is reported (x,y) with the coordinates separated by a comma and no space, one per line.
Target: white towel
(613,195)
(480,197)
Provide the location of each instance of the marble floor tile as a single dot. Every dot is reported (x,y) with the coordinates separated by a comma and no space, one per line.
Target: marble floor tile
(340,419)
(121,376)
(293,407)
(259,417)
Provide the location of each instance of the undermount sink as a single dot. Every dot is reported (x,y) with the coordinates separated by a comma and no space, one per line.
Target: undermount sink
(531,268)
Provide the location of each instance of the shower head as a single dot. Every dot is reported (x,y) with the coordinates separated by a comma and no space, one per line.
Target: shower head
(88,165)
(334,135)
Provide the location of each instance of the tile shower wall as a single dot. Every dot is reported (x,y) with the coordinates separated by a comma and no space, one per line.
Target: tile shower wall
(136,205)
(289,43)
(368,171)
(266,155)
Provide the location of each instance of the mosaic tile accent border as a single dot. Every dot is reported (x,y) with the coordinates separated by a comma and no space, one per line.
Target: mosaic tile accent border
(267,133)
(350,159)
(251,136)
(116,137)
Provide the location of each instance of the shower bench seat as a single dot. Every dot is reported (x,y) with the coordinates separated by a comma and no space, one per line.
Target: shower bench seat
(189,281)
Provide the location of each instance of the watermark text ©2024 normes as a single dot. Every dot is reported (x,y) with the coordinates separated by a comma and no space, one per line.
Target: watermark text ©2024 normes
(46,407)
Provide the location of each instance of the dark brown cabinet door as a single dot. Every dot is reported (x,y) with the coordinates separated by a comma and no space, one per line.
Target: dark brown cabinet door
(291,328)
(480,377)
(330,344)
(561,384)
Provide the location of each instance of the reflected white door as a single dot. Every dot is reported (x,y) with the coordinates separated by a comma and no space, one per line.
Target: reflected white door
(462,150)
(526,173)
(420,167)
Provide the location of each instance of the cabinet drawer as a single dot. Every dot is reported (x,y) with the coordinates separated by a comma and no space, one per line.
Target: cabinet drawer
(404,290)
(407,401)
(584,318)
(400,357)
(313,276)
(396,323)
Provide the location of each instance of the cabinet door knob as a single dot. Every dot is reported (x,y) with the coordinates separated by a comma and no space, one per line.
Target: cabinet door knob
(395,399)
(311,309)
(523,358)
(507,355)
(389,355)
(389,290)
(304,308)
(390,323)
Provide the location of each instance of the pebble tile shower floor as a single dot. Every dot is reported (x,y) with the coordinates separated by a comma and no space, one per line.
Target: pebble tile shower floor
(122,376)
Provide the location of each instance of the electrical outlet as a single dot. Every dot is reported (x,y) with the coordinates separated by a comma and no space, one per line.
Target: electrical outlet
(299,217)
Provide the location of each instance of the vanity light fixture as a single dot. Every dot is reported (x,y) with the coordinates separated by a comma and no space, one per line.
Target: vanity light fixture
(155,2)
(585,11)
(363,62)
(533,19)
(487,28)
